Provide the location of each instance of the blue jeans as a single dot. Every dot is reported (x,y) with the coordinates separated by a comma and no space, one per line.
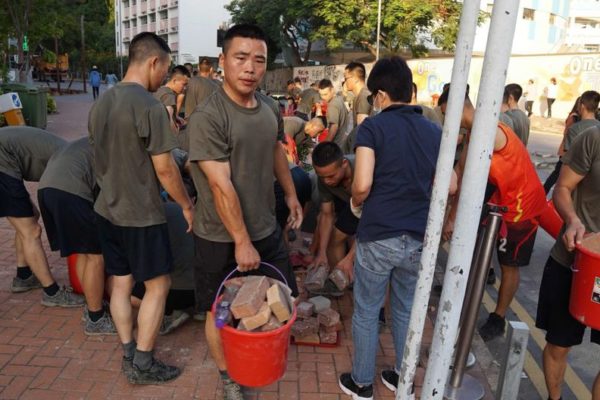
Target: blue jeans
(378,263)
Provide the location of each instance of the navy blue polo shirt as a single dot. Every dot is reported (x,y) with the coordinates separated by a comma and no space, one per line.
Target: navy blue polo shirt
(406,147)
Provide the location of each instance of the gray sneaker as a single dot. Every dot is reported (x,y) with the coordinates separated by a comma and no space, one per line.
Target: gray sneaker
(23,285)
(173,321)
(104,326)
(127,366)
(199,316)
(157,374)
(63,298)
(232,390)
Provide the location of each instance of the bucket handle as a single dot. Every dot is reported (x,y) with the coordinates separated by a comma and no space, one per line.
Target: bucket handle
(236,270)
(572,268)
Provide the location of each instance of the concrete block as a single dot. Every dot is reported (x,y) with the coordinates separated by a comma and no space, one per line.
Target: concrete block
(305,309)
(316,277)
(327,337)
(250,297)
(279,302)
(313,324)
(321,303)
(339,278)
(258,320)
(329,317)
(313,338)
(271,325)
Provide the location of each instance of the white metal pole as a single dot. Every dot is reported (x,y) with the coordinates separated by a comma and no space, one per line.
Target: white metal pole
(491,88)
(439,195)
(378,28)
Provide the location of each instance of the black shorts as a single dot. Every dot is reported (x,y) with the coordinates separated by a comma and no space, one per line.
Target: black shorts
(515,249)
(14,198)
(345,221)
(215,260)
(553,308)
(70,222)
(143,252)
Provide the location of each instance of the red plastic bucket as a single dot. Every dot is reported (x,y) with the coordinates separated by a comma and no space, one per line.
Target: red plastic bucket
(584,305)
(73,278)
(256,359)
(551,221)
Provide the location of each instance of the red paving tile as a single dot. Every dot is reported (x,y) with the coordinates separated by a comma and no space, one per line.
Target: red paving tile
(45,355)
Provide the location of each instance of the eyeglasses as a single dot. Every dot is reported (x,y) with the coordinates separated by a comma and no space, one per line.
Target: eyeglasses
(371,97)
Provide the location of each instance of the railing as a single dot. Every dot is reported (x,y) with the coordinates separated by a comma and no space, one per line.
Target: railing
(163,25)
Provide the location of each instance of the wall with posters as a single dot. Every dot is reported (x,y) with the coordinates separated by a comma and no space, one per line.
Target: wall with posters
(575,74)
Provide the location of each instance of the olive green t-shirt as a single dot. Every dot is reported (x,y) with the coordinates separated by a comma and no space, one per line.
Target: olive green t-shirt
(327,193)
(198,90)
(520,123)
(506,120)
(166,96)
(584,159)
(576,129)
(308,98)
(361,105)
(70,169)
(127,126)
(222,130)
(294,127)
(338,114)
(25,151)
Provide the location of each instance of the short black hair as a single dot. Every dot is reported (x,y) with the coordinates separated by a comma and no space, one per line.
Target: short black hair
(145,45)
(326,153)
(247,31)
(297,80)
(290,82)
(415,90)
(179,70)
(358,69)
(514,90)
(325,83)
(444,96)
(393,76)
(590,100)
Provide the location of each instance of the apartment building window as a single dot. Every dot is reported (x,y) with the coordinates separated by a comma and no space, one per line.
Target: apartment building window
(152,17)
(133,2)
(528,14)
(552,19)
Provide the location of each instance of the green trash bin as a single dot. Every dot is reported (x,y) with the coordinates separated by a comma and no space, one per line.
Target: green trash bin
(34,100)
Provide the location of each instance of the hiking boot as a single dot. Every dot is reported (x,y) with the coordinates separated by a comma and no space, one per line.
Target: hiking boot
(23,285)
(127,366)
(63,298)
(232,390)
(173,321)
(352,389)
(104,326)
(491,278)
(389,377)
(157,373)
(493,327)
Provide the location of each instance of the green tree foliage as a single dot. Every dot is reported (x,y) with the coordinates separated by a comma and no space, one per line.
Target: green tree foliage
(406,25)
(50,22)
(287,23)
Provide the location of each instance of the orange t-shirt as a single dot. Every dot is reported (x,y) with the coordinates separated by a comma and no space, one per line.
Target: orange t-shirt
(291,151)
(518,186)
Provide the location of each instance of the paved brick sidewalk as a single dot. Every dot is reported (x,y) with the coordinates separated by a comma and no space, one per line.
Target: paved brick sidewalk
(44,353)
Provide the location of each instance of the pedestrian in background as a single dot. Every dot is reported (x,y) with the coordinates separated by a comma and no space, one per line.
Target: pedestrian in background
(95,79)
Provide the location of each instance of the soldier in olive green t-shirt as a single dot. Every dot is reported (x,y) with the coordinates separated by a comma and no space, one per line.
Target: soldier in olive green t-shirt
(337,114)
(132,140)
(24,154)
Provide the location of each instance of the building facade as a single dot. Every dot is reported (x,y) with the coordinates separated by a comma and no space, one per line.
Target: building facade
(188,26)
(583,34)
(542,27)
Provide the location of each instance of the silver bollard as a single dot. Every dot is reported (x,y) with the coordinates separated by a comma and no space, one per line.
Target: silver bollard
(513,360)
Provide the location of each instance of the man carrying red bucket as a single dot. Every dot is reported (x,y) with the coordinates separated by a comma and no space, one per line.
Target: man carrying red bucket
(576,197)
(236,154)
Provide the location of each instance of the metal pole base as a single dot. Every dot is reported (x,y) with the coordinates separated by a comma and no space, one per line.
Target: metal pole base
(471,360)
(470,389)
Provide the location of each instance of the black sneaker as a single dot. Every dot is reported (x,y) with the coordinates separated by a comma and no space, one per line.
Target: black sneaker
(491,278)
(493,327)
(389,377)
(127,366)
(352,389)
(158,373)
